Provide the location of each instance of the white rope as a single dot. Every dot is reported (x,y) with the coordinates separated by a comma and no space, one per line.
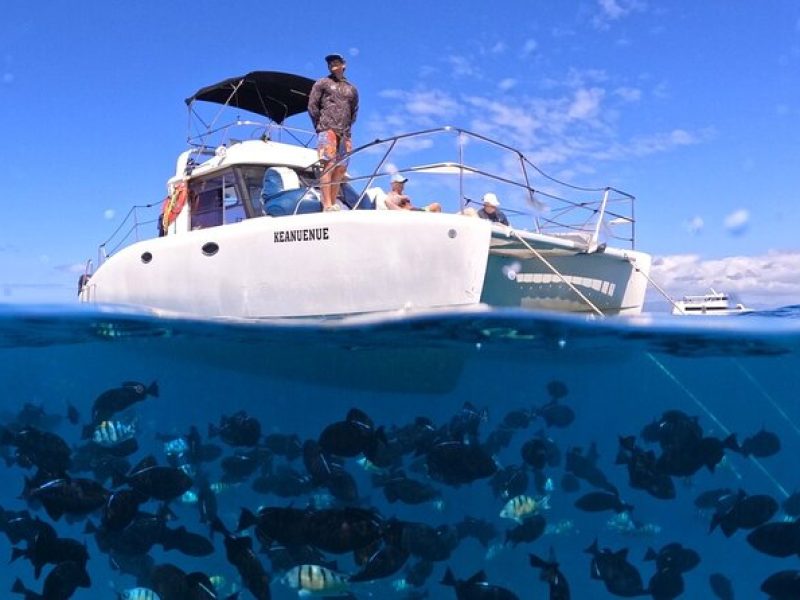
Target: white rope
(765,394)
(714,418)
(557,273)
(655,285)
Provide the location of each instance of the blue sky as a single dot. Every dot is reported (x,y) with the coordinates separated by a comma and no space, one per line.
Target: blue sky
(693,107)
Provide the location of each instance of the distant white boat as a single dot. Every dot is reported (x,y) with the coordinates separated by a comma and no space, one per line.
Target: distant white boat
(715,303)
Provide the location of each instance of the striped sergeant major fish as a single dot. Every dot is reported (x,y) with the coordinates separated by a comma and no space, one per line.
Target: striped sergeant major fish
(522,507)
(138,593)
(111,433)
(315,580)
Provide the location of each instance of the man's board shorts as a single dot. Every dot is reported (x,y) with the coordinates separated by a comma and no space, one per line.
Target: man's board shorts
(333,146)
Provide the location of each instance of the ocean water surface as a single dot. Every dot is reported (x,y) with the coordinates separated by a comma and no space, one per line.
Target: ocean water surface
(736,375)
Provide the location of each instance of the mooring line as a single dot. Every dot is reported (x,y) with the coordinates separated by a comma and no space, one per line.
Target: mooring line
(766,395)
(714,418)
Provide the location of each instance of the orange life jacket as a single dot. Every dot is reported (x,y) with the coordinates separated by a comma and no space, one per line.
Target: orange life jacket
(173,204)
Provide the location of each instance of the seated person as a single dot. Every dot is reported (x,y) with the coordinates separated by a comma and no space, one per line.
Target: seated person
(491,211)
(397,200)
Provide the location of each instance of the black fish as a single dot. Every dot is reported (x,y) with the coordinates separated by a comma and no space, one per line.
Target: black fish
(555,414)
(643,470)
(343,530)
(74,497)
(353,436)
(517,419)
(18,525)
(791,506)
(721,586)
(666,584)
(284,482)
(385,562)
(186,542)
(783,585)
(465,424)
(238,429)
(712,499)
(342,485)
(400,488)
(509,482)
(584,466)
(602,501)
(747,512)
(619,576)
(781,539)
(47,548)
(477,587)
(60,583)
(73,416)
(284,526)
(118,399)
(121,508)
(240,554)
(287,445)
(421,540)
(761,445)
(530,530)
(674,556)
(480,529)
(418,573)
(43,449)
(158,482)
(457,463)
(550,573)
(557,389)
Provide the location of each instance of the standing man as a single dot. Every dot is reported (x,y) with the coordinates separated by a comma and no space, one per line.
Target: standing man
(333,107)
(491,211)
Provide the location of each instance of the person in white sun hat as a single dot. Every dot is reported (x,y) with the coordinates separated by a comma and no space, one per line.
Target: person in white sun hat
(491,211)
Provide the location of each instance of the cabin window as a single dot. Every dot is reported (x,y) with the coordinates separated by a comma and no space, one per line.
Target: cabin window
(215,201)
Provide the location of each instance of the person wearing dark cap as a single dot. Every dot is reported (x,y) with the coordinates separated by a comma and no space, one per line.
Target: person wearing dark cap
(491,211)
(333,108)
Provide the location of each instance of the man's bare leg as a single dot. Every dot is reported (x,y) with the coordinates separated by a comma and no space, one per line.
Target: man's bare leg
(325,186)
(337,175)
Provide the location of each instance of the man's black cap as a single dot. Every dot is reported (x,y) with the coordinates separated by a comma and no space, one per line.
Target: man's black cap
(331,57)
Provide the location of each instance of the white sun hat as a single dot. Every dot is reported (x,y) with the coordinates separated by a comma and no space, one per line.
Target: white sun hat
(490,199)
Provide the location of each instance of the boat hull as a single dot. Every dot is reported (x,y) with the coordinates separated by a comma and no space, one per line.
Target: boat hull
(613,281)
(354,262)
(321,264)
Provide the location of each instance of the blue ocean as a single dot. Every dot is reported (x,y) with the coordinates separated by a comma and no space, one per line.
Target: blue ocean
(497,370)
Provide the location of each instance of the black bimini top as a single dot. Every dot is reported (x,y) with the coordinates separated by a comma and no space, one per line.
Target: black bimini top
(269,93)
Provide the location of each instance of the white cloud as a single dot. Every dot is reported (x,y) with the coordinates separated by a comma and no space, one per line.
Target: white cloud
(353,51)
(498,48)
(772,279)
(529,47)
(585,104)
(461,66)
(694,225)
(109,214)
(611,9)
(737,222)
(629,94)
(506,84)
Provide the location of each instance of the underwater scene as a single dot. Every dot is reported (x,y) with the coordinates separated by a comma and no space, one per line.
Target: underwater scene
(477,454)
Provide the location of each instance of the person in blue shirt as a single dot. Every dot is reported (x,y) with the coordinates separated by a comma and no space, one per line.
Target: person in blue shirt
(491,211)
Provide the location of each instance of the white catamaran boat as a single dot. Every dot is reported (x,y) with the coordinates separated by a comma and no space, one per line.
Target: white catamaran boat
(242,234)
(714,303)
